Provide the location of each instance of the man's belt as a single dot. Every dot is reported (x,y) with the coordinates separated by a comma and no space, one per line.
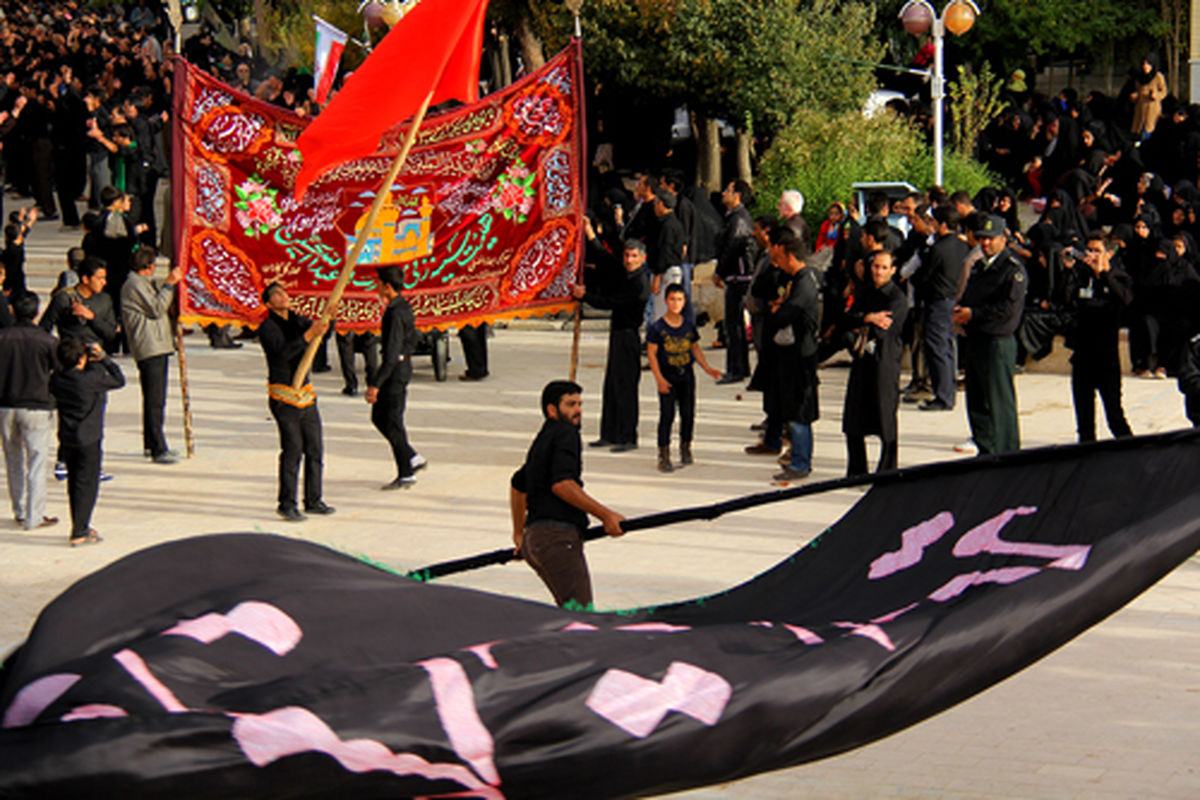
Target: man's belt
(284,393)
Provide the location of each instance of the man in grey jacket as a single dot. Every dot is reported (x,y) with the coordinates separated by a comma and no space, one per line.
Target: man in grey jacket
(146,312)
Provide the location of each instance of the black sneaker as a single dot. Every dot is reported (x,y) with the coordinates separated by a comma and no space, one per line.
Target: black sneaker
(290,513)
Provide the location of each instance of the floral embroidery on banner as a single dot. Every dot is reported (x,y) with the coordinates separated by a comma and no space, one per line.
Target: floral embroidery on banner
(514,192)
(256,210)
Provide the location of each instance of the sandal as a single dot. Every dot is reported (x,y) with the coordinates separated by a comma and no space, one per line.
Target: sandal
(91,538)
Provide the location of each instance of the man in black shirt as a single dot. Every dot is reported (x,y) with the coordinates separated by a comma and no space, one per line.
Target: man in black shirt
(284,337)
(625,291)
(387,389)
(670,255)
(1098,291)
(80,390)
(735,264)
(938,281)
(548,504)
(26,411)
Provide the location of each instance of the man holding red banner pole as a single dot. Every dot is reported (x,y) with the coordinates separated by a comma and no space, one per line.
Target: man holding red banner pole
(431,54)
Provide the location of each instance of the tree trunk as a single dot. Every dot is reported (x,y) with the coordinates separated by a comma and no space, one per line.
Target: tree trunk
(260,23)
(1173,16)
(745,146)
(506,76)
(1110,57)
(708,168)
(531,46)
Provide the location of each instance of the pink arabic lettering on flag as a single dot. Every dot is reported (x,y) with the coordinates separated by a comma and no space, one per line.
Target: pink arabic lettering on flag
(484,220)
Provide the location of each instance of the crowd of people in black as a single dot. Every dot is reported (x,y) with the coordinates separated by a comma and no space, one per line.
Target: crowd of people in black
(955,279)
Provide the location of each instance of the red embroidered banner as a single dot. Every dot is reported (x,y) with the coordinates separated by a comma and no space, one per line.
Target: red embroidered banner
(484,219)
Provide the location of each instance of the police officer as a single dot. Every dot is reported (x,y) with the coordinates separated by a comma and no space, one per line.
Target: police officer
(1098,292)
(989,311)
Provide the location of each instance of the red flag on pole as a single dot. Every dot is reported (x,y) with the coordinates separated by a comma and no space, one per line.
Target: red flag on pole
(435,47)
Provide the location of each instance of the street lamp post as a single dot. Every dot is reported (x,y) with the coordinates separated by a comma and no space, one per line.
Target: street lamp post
(918,17)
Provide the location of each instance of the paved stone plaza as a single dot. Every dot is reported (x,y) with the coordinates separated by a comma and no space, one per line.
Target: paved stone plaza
(1116,713)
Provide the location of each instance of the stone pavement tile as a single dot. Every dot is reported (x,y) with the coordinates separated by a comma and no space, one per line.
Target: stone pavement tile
(1072,773)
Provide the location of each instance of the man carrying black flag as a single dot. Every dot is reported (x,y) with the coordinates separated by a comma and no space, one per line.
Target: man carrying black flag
(387,389)
(549,506)
(284,335)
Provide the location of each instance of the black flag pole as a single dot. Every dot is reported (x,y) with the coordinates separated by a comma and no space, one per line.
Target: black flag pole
(714,510)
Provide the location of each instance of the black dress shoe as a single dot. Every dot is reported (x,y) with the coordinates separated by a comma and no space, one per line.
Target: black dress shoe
(466,376)
(319,507)
(727,379)
(600,443)
(623,447)
(321,368)
(349,391)
(290,513)
(227,344)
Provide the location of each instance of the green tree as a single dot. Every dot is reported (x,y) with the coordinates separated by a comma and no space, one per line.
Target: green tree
(760,61)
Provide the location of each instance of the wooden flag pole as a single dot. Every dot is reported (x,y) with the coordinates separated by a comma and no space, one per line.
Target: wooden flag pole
(575,340)
(185,391)
(335,297)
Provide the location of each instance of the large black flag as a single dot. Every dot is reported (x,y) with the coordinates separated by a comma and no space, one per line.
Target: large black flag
(258,666)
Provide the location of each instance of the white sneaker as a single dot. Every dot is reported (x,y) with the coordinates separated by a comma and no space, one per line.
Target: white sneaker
(417,462)
(967,448)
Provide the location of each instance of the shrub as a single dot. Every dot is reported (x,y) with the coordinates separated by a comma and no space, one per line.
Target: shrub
(822,154)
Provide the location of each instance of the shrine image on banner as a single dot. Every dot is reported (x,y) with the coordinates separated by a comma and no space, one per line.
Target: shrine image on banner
(484,220)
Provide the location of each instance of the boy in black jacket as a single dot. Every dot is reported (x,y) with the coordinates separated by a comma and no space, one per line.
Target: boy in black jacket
(80,388)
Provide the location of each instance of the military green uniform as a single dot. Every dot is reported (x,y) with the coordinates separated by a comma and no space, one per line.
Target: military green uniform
(995,293)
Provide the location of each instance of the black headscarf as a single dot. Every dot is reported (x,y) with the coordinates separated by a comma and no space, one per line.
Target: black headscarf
(1140,75)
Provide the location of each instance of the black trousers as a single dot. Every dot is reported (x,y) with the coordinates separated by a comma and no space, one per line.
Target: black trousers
(1144,330)
(299,436)
(152,375)
(683,394)
(856,455)
(387,415)
(150,236)
(939,350)
(1191,404)
(473,339)
(619,407)
(70,179)
(1086,380)
(42,170)
(350,343)
(555,551)
(83,484)
(737,351)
